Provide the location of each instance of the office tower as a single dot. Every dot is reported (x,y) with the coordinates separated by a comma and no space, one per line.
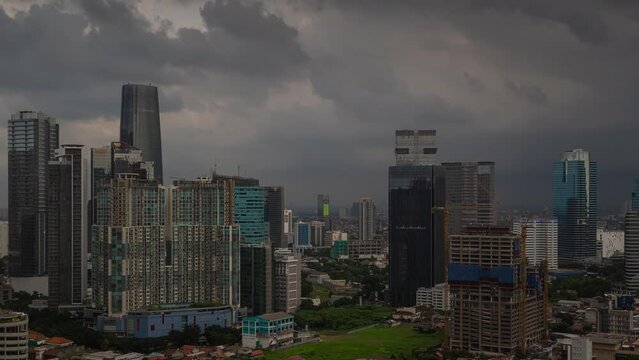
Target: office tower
(274,215)
(417,197)
(288,221)
(302,234)
(287,280)
(4,238)
(250,205)
(33,139)
(631,250)
(256,278)
(14,343)
(317,233)
(415,147)
(156,244)
(366,219)
(575,207)
(323,206)
(635,196)
(140,123)
(541,240)
(497,304)
(67,227)
(470,194)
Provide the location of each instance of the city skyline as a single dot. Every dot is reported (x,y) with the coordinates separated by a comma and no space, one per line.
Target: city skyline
(485,87)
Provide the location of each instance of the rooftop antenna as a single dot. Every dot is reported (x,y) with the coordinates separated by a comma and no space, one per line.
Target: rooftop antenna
(238,170)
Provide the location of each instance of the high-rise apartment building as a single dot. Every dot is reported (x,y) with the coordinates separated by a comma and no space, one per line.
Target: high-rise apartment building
(367,218)
(256,278)
(287,280)
(274,215)
(156,244)
(575,207)
(631,250)
(33,139)
(415,147)
(417,198)
(288,221)
(140,123)
(67,227)
(497,303)
(541,240)
(470,194)
(14,343)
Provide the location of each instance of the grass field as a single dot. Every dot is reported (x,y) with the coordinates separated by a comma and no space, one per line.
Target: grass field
(368,343)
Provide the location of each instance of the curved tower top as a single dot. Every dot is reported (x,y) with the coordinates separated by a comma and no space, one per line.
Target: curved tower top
(140,123)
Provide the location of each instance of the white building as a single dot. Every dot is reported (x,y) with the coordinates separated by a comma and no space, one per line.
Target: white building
(541,240)
(436,297)
(288,221)
(576,347)
(4,238)
(334,235)
(14,329)
(287,273)
(366,219)
(612,242)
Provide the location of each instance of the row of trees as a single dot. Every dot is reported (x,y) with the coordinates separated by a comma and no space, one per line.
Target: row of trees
(341,318)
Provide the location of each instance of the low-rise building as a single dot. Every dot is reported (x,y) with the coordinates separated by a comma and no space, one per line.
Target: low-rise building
(436,297)
(158,323)
(268,330)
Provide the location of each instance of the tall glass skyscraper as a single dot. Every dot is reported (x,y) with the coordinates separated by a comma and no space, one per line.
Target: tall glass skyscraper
(140,123)
(575,207)
(417,197)
(33,139)
(635,196)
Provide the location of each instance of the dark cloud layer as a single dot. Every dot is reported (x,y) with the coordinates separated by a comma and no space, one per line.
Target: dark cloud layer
(307,93)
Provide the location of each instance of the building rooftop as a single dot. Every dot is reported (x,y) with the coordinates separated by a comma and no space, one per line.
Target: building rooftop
(59,341)
(34,335)
(275,316)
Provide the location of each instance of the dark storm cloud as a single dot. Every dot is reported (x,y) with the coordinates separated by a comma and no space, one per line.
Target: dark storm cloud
(86,54)
(307,94)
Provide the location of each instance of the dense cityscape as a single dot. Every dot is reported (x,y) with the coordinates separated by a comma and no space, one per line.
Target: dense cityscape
(111,251)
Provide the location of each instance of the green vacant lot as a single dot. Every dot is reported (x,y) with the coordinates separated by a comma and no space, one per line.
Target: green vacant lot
(368,343)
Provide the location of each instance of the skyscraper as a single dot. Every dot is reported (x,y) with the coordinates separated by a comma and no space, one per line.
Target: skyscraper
(256,278)
(33,139)
(541,240)
(67,228)
(497,305)
(635,196)
(274,215)
(323,205)
(250,206)
(366,219)
(302,234)
(317,233)
(631,250)
(415,147)
(140,123)
(470,194)
(575,207)
(288,221)
(287,280)
(417,197)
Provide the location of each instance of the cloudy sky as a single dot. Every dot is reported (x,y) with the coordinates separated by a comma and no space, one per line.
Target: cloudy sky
(307,93)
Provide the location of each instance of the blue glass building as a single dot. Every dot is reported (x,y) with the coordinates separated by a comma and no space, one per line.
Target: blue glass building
(250,203)
(635,196)
(303,234)
(575,207)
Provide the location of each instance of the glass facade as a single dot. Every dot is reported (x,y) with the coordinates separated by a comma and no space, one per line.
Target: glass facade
(635,196)
(140,123)
(575,207)
(416,230)
(32,141)
(303,234)
(250,205)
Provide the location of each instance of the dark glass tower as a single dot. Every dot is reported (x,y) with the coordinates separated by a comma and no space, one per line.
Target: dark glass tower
(575,207)
(140,123)
(417,196)
(67,228)
(274,214)
(33,138)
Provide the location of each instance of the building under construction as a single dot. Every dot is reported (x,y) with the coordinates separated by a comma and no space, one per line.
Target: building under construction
(497,300)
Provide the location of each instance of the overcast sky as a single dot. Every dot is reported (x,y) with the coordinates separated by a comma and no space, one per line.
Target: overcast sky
(307,94)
